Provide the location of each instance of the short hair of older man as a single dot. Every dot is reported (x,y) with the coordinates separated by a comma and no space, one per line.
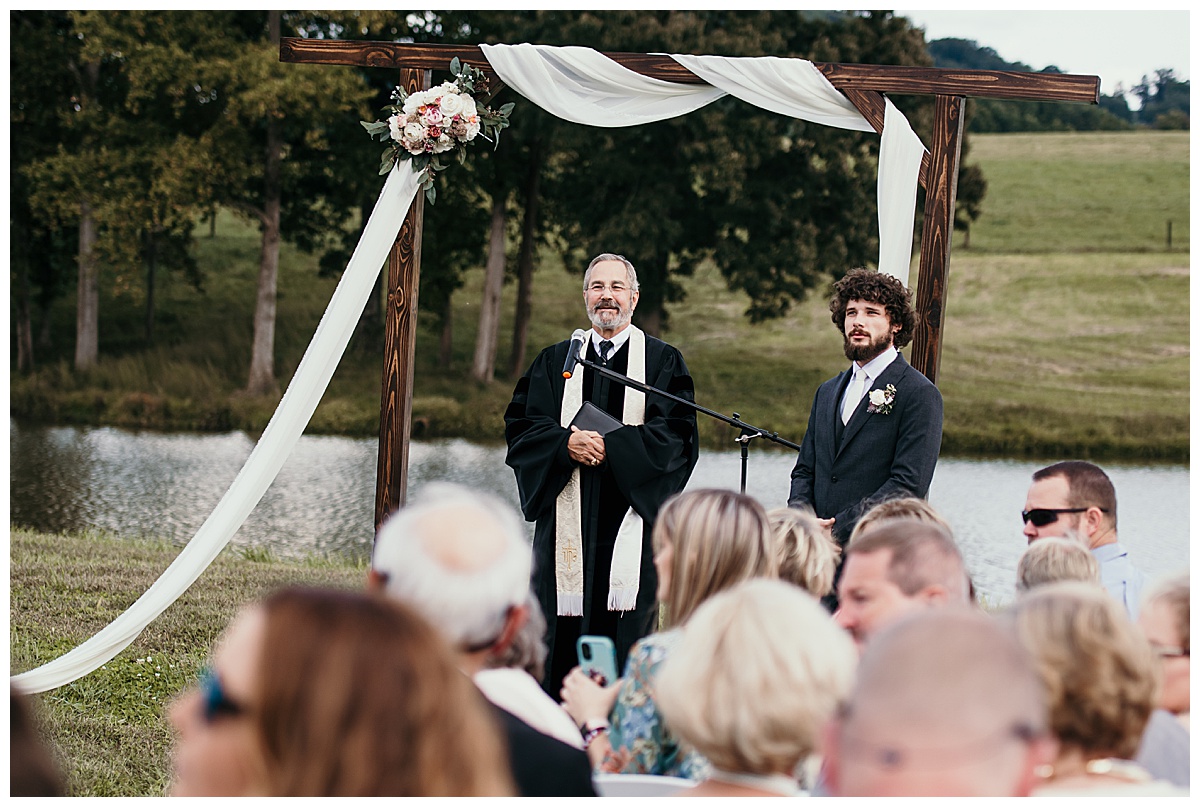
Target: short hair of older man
(460,557)
(758,671)
(922,555)
(1097,668)
(1050,560)
(909,507)
(946,702)
(807,555)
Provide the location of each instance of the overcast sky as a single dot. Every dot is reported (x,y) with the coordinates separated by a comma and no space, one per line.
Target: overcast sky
(1118,46)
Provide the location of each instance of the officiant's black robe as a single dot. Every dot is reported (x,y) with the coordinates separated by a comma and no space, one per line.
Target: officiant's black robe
(644,466)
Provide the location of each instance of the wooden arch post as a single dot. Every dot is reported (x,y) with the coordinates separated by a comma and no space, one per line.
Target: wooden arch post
(864,85)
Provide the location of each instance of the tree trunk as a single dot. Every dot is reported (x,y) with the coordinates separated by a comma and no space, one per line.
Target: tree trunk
(151,266)
(524,310)
(650,320)
(24,316)
(87,308)
(262,353)
(446,341)
(489,314)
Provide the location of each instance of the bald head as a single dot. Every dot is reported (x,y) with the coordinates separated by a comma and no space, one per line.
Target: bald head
(459,557)
(946,702)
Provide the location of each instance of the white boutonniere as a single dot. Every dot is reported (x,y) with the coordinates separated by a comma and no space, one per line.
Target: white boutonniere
(881,400)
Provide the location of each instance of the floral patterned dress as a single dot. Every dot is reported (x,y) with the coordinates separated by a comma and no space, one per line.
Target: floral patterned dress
(641,743)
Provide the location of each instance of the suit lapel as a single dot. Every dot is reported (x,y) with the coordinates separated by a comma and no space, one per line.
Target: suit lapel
(833,412)
(891,375)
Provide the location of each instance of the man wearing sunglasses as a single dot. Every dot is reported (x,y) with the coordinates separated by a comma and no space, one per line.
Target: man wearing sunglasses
(1076,499)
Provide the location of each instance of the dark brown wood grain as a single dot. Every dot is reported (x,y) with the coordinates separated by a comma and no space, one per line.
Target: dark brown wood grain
(872,107)
(899,79)
(936,232)
(399,346)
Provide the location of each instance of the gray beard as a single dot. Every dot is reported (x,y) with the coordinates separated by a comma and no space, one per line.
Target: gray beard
(622,319)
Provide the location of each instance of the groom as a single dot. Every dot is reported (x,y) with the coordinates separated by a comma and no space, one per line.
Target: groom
(874,431)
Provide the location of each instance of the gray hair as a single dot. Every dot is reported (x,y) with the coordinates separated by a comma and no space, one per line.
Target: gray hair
(459,557)
(612,256)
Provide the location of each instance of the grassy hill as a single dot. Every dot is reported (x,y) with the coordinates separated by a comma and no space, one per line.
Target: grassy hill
(1066,330)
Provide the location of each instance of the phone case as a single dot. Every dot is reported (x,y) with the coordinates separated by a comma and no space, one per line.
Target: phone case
(597,658)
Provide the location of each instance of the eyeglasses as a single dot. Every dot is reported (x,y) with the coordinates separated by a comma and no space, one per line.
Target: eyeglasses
(1048,515)
(217,702)
(1167,651)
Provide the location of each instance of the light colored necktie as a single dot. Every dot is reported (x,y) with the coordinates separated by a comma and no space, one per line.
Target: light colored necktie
(853,394)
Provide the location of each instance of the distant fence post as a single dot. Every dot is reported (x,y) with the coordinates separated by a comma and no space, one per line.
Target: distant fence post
(1168,234)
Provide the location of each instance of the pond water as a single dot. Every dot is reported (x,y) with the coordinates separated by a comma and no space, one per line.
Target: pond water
(165,485)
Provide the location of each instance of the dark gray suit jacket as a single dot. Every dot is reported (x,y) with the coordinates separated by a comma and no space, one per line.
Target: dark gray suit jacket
(877,457)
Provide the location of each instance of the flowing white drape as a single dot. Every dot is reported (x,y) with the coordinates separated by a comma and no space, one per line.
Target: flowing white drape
(585,86)
(577,84)
(278,439)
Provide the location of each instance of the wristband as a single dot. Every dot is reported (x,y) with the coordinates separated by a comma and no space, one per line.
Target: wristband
(593,729)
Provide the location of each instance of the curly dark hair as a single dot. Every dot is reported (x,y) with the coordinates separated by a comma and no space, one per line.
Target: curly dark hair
(875,287)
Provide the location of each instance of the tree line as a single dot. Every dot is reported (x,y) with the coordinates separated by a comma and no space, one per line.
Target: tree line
(1164,100)
(129,128)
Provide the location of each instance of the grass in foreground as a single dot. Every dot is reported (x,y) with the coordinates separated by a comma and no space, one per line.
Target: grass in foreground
(108,730)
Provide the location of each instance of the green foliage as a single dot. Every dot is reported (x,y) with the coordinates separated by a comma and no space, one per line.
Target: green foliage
(1166,101)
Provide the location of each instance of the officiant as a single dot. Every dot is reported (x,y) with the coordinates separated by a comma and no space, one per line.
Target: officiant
(594,491)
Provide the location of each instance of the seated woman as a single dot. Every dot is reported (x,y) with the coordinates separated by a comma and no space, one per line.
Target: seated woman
(807,555)
(1165,620)
(705,541)
(758,672)
(1101,684)
(1050,560)
(333,693)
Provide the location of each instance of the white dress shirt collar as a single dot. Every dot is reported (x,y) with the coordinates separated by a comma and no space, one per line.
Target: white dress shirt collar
(875,367)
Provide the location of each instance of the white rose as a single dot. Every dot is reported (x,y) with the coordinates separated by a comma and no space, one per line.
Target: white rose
(451,104)
(444,143)
(469,109)
(414,102)
(395,126)
(878,397)
(414,132)
(472,129)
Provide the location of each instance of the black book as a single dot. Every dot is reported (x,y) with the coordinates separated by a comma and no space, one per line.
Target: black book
(591,418)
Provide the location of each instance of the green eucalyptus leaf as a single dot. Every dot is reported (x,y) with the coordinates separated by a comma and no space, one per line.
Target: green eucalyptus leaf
(455,66)
(507,109)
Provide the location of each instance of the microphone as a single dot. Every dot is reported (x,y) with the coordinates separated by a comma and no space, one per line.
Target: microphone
(577,342)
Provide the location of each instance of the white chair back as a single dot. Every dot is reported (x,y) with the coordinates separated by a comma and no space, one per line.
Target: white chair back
(638,784)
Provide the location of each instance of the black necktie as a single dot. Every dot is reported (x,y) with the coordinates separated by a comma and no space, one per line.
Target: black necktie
(605,349)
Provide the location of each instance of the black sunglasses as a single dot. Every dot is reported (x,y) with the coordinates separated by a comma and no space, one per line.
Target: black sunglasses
(217,703)
(1048,515)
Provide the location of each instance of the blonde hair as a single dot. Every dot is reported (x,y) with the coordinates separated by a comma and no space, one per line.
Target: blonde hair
(1175,592)
(1097,668)
(718,538)
(907,507)
(807,556)
(758,671)
(1049,560)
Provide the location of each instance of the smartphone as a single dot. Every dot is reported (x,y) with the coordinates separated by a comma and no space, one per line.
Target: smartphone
(597,658)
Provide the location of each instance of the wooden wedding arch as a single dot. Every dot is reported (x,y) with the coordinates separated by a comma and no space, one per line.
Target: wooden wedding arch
(864,85)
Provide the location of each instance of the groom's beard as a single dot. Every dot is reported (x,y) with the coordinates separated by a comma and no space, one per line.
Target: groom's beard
(864,353)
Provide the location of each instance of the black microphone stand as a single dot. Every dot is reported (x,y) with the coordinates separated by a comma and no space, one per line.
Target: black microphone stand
(748,432)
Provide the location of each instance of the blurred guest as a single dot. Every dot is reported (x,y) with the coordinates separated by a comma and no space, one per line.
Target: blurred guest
(1101,684)
(461,559)
(909,507)
(512,678)
(705,541)
(1165,620)
(1076,499)
(807,555)
(759,670)
(1049,560)
(331,693)
(32,770)
(894,568)
(946,703)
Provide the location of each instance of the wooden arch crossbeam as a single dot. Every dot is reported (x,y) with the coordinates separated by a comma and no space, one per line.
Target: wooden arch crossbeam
(864,85)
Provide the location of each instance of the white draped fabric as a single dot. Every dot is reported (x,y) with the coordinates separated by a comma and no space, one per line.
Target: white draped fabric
(577,84)
(278,439)
(585,86)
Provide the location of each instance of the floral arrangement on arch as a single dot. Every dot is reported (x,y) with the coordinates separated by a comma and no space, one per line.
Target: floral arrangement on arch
(431,126)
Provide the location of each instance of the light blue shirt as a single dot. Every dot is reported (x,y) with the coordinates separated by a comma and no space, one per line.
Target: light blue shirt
(1122,579)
